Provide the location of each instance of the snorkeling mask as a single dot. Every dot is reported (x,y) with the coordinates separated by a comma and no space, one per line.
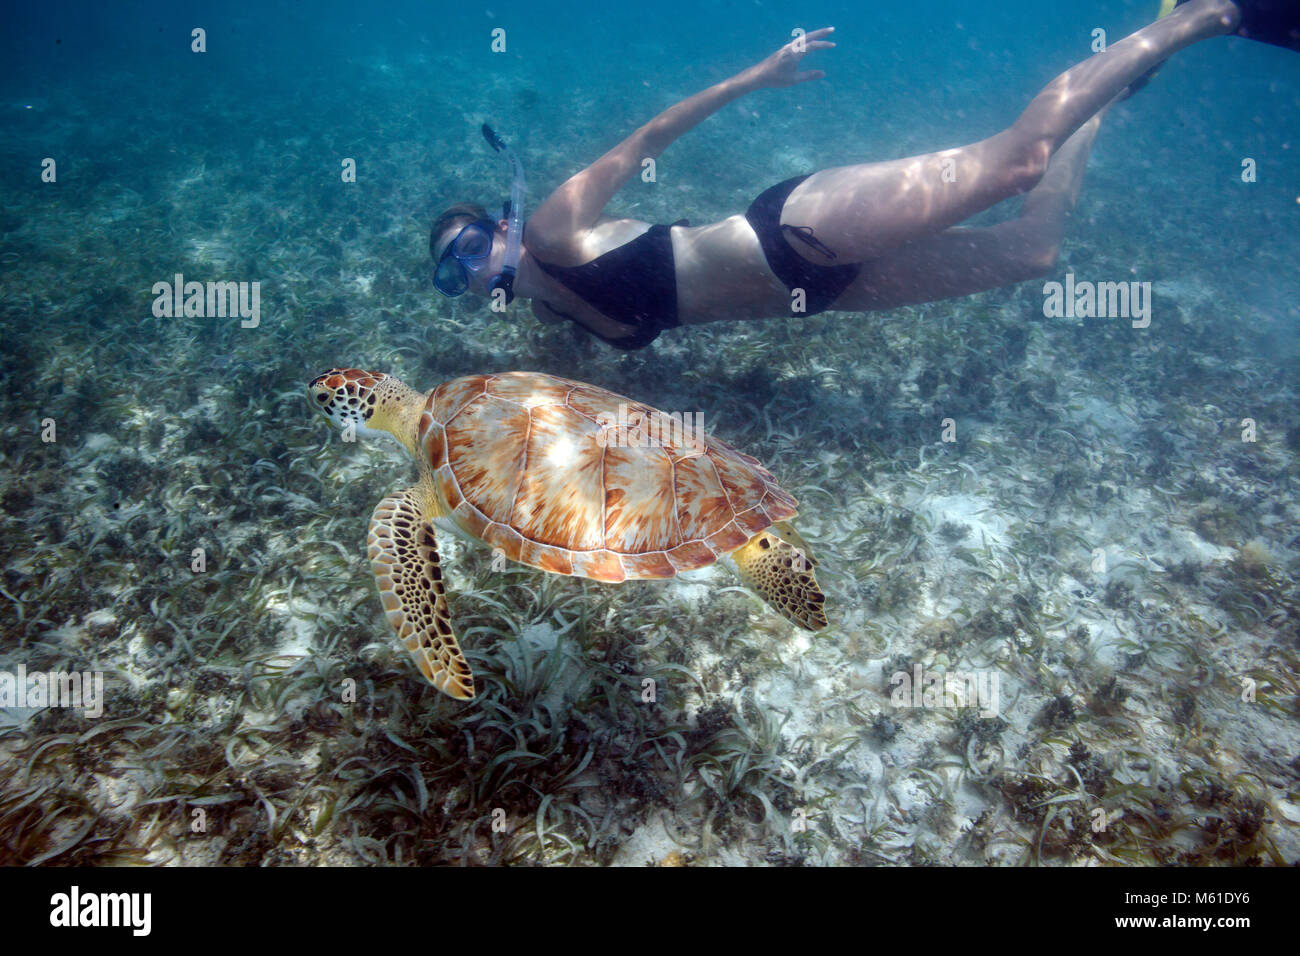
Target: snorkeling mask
(466,253)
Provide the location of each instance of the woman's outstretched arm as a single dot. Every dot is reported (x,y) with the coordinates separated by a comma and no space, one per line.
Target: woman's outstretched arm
(558,227)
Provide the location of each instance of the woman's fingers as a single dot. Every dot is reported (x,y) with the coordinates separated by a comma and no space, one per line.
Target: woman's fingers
(780,69)
(811,41)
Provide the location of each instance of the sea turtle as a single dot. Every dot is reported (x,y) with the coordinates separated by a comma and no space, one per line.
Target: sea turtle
(564,477)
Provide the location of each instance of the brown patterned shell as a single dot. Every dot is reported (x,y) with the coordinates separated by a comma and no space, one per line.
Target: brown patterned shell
(548,471)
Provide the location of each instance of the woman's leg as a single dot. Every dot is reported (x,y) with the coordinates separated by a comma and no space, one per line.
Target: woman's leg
(961,260)
(862,212)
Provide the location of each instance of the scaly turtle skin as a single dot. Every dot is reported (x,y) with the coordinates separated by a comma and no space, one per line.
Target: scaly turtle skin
(565,477)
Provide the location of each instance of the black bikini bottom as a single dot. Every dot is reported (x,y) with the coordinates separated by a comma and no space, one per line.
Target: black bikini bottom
(821,285)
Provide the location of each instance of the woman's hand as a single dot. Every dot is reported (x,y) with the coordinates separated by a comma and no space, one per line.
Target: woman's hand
(782,67)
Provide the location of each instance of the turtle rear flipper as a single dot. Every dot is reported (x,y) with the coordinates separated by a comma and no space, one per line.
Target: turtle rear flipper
(404,557)
(783,576)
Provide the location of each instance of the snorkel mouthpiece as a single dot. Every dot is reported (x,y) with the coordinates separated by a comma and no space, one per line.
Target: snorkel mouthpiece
(505,279)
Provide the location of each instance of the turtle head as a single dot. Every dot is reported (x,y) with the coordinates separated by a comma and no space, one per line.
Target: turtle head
(369,403)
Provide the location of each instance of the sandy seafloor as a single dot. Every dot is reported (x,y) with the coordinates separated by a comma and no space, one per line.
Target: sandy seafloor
(1120,690)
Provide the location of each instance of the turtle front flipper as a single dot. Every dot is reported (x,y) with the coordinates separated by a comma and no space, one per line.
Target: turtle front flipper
(404,556)
(782,574)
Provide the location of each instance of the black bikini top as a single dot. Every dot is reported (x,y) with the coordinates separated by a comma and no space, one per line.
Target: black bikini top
(635,284)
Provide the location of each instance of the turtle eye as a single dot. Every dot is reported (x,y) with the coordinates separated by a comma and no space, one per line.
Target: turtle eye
(322,397)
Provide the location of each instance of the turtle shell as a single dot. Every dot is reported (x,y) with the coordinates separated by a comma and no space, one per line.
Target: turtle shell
(573,479)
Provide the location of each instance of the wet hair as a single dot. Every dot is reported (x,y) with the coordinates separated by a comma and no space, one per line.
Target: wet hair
(462,210)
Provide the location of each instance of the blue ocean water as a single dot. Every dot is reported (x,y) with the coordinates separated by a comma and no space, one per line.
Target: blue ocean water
(178,433)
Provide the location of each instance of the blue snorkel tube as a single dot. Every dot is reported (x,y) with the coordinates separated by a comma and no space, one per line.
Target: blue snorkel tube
(505,279)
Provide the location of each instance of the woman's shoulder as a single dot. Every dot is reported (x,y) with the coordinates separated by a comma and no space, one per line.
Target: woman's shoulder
(578,249)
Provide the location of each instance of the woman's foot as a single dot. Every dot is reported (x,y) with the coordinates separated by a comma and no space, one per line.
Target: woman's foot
(1230,9)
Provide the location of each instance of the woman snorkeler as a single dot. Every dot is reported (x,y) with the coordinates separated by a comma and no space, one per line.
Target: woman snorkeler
(855,238)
